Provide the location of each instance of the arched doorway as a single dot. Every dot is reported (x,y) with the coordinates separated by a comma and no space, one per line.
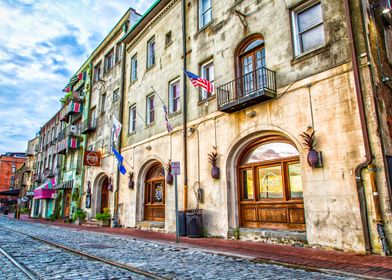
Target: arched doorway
(250,64)
(104,194)
(270,185)
(154,194)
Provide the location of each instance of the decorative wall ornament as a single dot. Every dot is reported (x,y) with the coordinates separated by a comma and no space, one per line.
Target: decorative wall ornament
(314,157)
(169,176)
(213,159)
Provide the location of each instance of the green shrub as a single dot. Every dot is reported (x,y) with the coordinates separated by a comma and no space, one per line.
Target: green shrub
(106,210)
(79,214)
(103,216)
(24,210)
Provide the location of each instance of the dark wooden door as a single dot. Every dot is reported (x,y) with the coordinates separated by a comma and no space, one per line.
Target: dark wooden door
(67,202)
(104,195)
(154,196)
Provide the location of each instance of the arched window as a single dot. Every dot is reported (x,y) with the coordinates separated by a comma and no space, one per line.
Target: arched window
(270,185)
(154,195)
(250,62)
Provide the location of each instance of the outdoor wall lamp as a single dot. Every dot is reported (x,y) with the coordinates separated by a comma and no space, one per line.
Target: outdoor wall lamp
(386,15)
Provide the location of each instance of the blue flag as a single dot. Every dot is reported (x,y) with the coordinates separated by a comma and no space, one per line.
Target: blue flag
(120,159)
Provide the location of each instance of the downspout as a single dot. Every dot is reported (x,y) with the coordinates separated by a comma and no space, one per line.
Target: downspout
(184,114)
(364,129)
(122,90)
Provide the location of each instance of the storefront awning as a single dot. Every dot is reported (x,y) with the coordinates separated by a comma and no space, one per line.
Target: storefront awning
(46,190)
(65,185)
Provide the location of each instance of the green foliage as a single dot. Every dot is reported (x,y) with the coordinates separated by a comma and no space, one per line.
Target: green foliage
(57,207)
(76,196)
(24,210)
(106,210)
(67,97)
(79,214)
(236,233)
(103,216)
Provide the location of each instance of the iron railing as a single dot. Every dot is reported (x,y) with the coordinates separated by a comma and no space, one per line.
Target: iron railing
(247,89)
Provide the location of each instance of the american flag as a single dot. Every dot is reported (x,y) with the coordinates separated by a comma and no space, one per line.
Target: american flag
(200,81)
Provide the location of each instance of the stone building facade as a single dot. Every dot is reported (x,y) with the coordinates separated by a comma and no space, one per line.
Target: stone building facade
(104,106)
(280,68)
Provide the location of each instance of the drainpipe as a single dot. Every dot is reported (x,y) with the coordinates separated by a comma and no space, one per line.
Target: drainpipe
(365,135)
(184,78)
(122,90)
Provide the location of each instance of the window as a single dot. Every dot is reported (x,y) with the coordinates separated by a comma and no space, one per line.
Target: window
(103,103)
(207,72)
(116,95)
(118,52)
(109,60)
(13,168)
(308,28)
(174,96)
(150,109)
(205,12)
(12,181)
(134,68)
(93,117)
(97,72)
(168,38)
(132,119)
(151,53)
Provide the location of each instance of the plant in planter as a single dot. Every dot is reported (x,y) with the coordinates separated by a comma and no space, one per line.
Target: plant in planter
(103,218)
(169,176)
(79,216)
(131,183)
(309,139)
(213,159)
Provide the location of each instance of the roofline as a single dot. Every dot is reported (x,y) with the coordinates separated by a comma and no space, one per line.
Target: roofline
(146,17)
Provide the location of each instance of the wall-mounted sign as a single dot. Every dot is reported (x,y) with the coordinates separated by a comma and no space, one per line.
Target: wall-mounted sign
(92,158)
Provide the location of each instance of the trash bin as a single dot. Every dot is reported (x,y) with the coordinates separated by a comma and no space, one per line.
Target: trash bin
(182,223)
(194,223)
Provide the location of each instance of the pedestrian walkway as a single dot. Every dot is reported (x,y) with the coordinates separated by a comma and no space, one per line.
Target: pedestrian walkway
(371,266)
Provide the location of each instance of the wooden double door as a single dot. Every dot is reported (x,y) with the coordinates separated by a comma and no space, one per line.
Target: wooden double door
(104,195)
(67,202)
(154,194)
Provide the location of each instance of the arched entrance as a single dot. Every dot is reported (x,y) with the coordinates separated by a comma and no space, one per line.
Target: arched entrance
(154,194)
(104,194)
(270,185)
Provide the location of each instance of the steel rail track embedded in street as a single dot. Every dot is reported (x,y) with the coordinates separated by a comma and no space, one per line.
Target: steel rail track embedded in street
(18,265)
(77,252)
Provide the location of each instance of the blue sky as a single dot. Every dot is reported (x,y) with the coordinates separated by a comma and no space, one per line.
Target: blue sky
(42,44)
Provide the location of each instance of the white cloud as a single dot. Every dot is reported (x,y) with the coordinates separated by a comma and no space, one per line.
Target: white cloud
(42,43)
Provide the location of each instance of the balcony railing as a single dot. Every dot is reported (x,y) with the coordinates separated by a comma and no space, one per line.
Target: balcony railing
(30,152)
(254,87)
(89,126)
(48,173)
(75,106)
(69,143)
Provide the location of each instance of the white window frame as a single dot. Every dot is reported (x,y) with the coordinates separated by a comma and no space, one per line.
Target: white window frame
(171,97)
(151,55)
(109,60)
(149,110)
(132,119)
(203,73)
(134,68)
(296,36)
(118,52)
(97,71)
(201,13)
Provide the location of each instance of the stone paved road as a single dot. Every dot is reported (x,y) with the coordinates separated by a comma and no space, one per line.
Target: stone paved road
(165,260)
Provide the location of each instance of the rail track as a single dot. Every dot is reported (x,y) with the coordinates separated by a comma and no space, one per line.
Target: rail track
(31,274)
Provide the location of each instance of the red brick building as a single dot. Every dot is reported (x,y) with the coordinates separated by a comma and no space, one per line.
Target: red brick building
(9,163)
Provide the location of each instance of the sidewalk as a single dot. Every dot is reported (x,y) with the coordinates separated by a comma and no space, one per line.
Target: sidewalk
(370,266)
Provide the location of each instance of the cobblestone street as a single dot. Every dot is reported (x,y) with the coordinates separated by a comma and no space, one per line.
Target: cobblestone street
(165,260)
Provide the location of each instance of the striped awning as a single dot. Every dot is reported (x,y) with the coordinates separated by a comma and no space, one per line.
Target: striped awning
(65,185)
(46,190)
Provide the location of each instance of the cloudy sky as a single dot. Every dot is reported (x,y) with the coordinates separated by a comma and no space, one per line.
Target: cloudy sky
(42,44)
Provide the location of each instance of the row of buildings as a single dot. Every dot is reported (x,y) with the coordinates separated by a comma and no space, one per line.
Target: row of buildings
(280,69)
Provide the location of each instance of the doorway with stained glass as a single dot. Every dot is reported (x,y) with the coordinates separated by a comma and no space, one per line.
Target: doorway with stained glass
(270,185)
(154,194)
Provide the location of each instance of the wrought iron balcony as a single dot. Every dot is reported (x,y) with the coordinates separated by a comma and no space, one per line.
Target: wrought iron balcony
(48,173)
(253,88)
(74,107)
(89,126)
(69,143)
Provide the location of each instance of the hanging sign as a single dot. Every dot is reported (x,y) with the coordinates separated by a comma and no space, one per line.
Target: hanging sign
(92,158)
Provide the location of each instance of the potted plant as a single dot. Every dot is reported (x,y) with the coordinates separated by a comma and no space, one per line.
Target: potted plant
(213,159)
(309,139)
(103,218)
(169,176)
(131,183)
(79,216)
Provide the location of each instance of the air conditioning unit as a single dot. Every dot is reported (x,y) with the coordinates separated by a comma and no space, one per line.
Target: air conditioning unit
(73,130)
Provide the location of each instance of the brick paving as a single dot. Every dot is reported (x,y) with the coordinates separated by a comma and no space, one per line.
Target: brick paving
(362,265)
